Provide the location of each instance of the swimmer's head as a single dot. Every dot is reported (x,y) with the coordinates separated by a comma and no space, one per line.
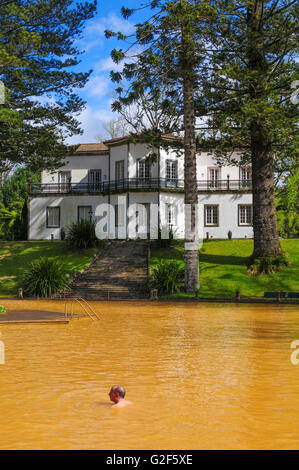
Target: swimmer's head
(116,393)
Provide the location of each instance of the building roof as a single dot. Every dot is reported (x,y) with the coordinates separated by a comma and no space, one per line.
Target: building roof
(92,149)
(122,140)
(102,148)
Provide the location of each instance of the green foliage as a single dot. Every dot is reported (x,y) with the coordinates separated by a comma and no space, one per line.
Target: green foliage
(14,211)
(167,276)
(288,205)
(8,220)
(239,61)
(223,269)
(288,223)
(81,234)
(16,256)
(44,277)
(165,231)
(15,187)
(38,55)
(269,265)
(2,310)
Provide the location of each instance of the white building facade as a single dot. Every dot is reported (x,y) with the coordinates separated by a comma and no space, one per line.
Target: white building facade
(118,186)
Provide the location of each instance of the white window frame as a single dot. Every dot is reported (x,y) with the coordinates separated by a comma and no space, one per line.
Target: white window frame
(143,169)
(89,213)
(95,178)
(66,176)
(211,215)
(214,176)
(245,215)
(171,215)
(171,170)
(119,215)
(245,173)
(53,223)
(119,165)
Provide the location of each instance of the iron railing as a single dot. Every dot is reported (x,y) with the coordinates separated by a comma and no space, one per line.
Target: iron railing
(135,184)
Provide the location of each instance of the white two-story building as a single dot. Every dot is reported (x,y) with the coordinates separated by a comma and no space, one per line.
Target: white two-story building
(116,185)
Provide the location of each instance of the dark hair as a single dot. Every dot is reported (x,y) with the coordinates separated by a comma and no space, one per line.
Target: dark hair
(120,390)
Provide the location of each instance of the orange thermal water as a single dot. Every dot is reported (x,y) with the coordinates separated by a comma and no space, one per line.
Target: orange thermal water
(201,376)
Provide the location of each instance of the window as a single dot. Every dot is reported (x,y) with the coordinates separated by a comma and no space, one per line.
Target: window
(245,214)
(171,214)
(143,169)
(64,179)
(84,213)
(143,218)
(119,170)
(53,217)
(214,177)
(171,170)
(245,177)
(211,215)
(94,179)
(119,215)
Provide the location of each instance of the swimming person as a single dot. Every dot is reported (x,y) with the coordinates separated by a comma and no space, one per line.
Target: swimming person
(117,395)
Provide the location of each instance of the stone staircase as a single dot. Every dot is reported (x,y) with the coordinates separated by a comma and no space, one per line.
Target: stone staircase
(118,273)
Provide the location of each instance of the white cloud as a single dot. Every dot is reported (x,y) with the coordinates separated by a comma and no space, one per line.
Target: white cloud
(91,123)
(107,64)
(111,22)
(98,86)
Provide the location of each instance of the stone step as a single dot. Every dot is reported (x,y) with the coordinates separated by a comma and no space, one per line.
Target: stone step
(121,270)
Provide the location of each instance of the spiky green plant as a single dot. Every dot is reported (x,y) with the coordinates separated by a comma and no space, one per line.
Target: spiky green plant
(44,277)
(167,277)
(2,309)
(81,234)
(269,265)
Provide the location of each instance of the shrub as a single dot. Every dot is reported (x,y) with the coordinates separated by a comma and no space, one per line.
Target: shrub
(288,224)
(269,264)
(165,242)
(44,277)
(2,309)
(167,277)
(81,234)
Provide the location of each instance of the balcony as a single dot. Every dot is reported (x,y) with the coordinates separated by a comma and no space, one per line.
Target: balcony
(137,184)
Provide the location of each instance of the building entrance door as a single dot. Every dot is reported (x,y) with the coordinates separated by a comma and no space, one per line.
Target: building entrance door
(143,220)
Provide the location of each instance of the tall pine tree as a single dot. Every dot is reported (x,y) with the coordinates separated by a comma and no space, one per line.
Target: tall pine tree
(37,59)
(250,101)
(172,56)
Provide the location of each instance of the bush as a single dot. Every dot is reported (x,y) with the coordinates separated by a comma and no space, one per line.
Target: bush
(165,242)
(288,224)
(81,234)
(2,309)
(44,277)
(269,265)
(167,277)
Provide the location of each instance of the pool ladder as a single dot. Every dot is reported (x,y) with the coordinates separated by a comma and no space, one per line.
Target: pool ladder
(84,304)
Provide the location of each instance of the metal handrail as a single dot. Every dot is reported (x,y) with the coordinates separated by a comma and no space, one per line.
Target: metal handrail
(79,300)
(128,184)
(90,307)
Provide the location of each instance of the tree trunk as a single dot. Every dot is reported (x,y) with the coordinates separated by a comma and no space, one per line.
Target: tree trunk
(265,227)
(191,257)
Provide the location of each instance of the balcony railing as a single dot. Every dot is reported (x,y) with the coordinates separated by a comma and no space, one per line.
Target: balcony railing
(135,184)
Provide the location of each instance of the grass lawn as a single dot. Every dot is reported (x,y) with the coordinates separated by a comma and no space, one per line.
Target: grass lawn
(223,269)
(16,256)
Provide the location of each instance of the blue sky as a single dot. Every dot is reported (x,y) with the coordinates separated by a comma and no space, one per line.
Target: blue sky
(98,93)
